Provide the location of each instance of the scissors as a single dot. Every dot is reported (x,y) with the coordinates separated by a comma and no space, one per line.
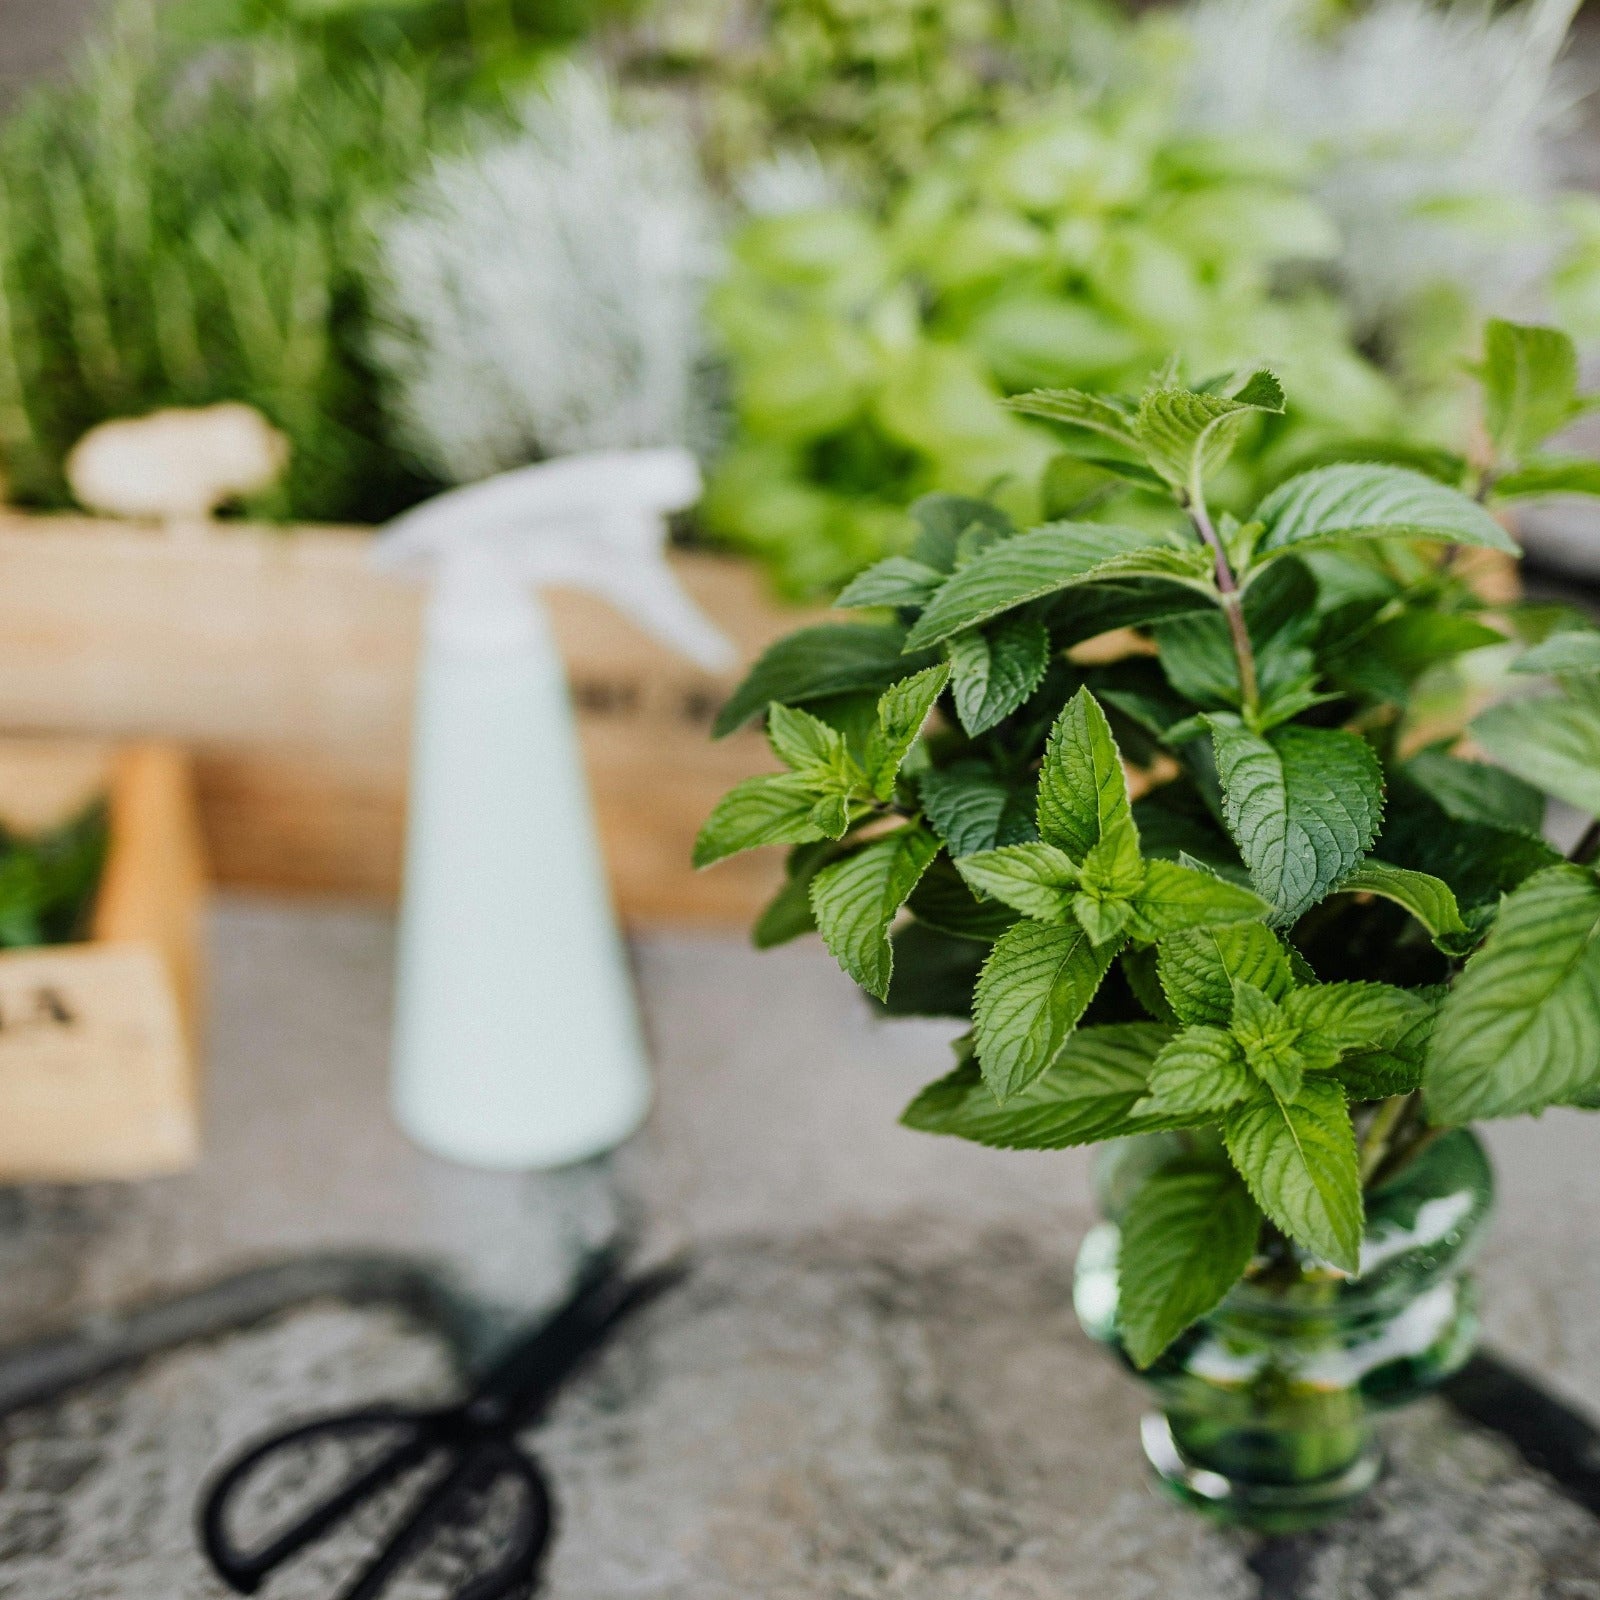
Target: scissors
(471,1448)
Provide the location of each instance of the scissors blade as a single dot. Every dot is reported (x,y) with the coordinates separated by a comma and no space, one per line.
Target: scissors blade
(527,1377)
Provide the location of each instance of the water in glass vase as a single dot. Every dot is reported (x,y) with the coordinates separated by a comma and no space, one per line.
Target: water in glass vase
(1267,1404)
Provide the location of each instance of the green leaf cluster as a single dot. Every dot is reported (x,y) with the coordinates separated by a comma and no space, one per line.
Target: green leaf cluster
(1075,245)
(1212,886)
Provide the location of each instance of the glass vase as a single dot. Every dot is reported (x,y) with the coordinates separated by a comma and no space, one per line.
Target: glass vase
(1267,1405)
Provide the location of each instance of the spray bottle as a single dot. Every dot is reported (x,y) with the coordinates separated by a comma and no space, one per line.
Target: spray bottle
(517,1044)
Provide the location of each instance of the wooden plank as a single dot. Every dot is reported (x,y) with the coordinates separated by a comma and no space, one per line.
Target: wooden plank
(287,664)
(152,892)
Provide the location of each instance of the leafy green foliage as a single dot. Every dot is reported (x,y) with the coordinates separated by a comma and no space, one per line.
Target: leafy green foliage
(1521,1028)
(1552,742)
(1530,385)
(1363,500)
(1186,436)
(1030,567)
(1576,652)
(995,670)
(1290,832)
(1200,1071)
(48,881)
(1088,1093)
(1299,1161)
(1036,984)
(856,899)
(1188,1233)
(974,808)
(784,809)
(873,344)
(1430,900)
(1302,804)
(815,663)
(1083,791)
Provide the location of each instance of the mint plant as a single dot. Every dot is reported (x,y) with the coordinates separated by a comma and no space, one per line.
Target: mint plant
(1315,929)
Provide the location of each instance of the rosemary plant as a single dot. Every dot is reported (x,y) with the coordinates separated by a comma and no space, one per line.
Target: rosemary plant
(1310,932)
(180,230)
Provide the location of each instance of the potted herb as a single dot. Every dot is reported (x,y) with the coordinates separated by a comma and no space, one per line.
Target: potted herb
(1280,983)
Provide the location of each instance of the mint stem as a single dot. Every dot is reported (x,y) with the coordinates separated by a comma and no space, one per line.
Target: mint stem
(1232,607)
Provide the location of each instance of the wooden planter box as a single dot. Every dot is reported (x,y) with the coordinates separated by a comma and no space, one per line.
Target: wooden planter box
(98,1041)
(286,665)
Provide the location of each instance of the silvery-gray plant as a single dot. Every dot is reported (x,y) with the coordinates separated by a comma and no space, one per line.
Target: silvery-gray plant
(1434,129)
(542,293)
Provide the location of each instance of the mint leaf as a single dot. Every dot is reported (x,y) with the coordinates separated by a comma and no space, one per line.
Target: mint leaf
(856,899)
(1200,1072)
(1173,897)
(902,710)
(1018,570)
(1520,1030)
(1575,653)
(782,809)
(1198,969)
(1036,984)
(934,974)
(1088,1093)
(1198,660)
(1268,1040)
(832,658)
(1386,659)
(943,520)
(1542,475)
(1187,1236)
(1105,415)
(1299,1161)
(1474,791)
(1530,385)
(943,901)
(1083,790)
(1430,900)
(1186,435)
(1364,500)
(972,807)
(1302,804)
(1354,1016)
(993,671)
(894,581)
(788,913)
(1111,873)
(809,747)
(1036,879)
(1553,742)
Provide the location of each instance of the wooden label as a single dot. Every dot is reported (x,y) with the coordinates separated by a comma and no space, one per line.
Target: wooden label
(95,1078)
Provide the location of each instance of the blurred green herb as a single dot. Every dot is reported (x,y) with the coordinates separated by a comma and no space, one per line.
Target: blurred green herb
(871,349)
(186,220)
(48,880)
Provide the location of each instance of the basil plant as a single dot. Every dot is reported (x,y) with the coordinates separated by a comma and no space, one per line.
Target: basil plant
(1154,807)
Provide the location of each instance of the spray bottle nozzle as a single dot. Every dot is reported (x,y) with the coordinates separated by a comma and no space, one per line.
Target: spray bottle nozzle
(595,521)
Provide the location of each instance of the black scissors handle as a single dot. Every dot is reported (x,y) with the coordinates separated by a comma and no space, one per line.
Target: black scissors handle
(475,1439)
(245,1571)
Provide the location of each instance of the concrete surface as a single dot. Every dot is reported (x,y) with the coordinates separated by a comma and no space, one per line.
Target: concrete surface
(885,1412)
(871,1387)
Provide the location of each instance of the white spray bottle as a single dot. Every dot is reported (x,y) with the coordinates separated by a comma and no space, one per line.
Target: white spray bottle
(516,1042)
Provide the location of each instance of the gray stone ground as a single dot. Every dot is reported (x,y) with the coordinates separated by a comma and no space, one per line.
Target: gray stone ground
(871,1387)
(898,1412)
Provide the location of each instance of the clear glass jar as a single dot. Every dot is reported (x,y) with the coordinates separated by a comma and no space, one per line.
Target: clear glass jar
(1267,1405)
